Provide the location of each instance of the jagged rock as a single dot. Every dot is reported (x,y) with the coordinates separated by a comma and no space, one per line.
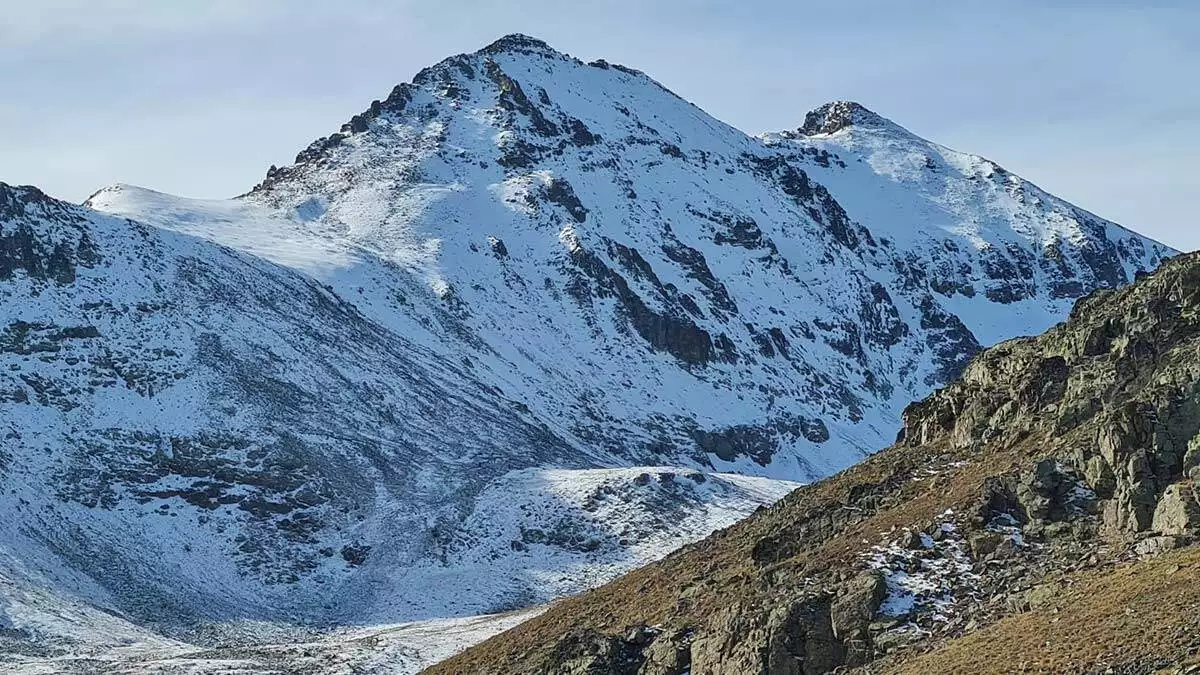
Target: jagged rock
(1191,459)
(1155,545)
(1119,441)
(802,640)
(668,655)
(1100,477)
(1178,512)
(721,652)
(583,652)
(1042,493)
(498,248)
(895,639)
(986,468)
(857,604)
(792,639)
(1132,507)
(835,116)
(984,543)
(911,539)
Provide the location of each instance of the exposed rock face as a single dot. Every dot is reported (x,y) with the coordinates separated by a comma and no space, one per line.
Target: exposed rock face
(1054,463)
(794,638)
(852,612)
(1177,512)
(837,115)
(41,256)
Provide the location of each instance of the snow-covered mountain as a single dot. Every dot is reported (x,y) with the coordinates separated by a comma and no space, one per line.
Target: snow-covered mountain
(194,435)
(420,372)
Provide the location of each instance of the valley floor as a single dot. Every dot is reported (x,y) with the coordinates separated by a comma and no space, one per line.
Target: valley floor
(400,649)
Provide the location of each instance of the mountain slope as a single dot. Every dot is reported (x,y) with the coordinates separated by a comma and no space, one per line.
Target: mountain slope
(193,436)
(1017,520)
(153,379)
(582,224)
(523,325)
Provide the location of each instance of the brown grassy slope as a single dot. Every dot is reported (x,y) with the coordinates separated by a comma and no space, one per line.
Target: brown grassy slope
(1125,368)
(1143,614)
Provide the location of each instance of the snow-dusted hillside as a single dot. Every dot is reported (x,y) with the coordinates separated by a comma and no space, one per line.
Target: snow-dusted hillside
(414,374)
(194,436)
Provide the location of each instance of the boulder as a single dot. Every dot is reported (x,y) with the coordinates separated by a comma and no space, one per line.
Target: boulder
(1156,545)
(1191,459)
(1099,476)
(1131,509)
(896,639)
(1178,512)
(1008,547)
(911,540)
(667,655)
(852,611)
(794,638)
(984,543)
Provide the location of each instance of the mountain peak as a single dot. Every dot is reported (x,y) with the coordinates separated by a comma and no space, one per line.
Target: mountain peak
(8,191)
(15,198)
(837,115)
(520,43)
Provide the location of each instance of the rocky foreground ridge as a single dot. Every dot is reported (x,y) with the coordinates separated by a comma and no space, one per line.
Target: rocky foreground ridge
(1039,514)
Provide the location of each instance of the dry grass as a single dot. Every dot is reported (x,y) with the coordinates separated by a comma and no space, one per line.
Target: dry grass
(1146,611)
(1145,615)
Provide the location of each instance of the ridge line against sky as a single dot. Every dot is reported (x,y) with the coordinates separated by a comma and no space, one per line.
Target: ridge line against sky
(1094,101)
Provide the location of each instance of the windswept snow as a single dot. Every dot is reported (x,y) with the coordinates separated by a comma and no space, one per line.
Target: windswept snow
(401,649)
(922,582)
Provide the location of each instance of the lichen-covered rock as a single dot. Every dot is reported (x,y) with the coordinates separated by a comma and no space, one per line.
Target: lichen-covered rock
(801,639)
(669,654)
(854,608)
(1178,512)
(1156,545)
(1131,508)
(985,543)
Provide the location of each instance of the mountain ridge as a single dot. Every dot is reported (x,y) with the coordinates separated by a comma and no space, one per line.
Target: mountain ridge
(524,131)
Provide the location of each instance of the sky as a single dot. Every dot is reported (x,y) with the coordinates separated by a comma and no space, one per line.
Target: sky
(1096,101)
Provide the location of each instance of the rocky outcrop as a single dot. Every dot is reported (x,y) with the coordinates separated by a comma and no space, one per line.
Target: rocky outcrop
(1084,375)
(41,256)
(713,252)
(835,116)
(1177,511)
(672,332)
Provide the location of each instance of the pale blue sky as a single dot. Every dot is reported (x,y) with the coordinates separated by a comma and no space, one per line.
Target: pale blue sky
(1096,101)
